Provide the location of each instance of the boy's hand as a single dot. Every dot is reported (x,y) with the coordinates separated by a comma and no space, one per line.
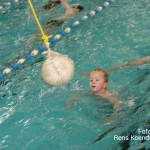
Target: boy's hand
(69,104)
(117,106)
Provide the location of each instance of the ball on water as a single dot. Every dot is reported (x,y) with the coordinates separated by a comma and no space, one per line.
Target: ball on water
(67,30)
(57,70)
(85,17)
(76,22)
(106,4)
(8,3)
(58,36)
(92,13)
(100,8)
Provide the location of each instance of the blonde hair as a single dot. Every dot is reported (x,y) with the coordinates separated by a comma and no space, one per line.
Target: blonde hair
(104,72)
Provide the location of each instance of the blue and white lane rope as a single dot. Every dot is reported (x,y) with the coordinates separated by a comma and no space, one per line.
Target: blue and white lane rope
(41,49)
(76,23)
(7,5)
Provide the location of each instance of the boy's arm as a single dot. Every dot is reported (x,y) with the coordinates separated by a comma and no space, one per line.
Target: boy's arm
(75,98)
(144,60)
(116,67)
(69,10)
(71,101)
(113,98)
(140,61)
(117,104)
(65,4)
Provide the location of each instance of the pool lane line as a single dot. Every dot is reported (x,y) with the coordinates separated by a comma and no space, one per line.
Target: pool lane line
(41,49)
(7,5)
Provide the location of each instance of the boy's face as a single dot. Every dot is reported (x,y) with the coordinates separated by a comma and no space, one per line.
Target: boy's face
(97,81)
(75,8)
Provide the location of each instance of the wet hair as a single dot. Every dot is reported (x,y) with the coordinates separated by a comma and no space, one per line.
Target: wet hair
(51,4)
(104,72)
(79,7)
(55,23)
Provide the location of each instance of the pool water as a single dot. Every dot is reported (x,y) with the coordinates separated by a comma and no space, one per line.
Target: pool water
(33,115)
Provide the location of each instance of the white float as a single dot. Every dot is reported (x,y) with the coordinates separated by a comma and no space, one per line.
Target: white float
(57,69)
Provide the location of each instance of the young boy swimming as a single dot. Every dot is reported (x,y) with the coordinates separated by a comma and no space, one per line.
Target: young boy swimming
(98,85)
(69,10)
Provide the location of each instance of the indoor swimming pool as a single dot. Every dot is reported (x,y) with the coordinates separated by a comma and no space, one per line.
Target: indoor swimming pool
(33,114)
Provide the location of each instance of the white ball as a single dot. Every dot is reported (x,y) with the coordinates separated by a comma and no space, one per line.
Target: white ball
(34,52)
(1,7)
(21,61)
(92,13)
(100,8)
(57,36)
(3,12)
(67,30)
(85,17)
(7,70)
(16,1)
(106,4)
(76,23)
(8,3)
(57,70)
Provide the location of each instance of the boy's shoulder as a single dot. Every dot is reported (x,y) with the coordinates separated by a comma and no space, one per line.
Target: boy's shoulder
(111,95)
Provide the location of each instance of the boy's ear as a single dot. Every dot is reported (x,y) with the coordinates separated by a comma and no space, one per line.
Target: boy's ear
(105,84)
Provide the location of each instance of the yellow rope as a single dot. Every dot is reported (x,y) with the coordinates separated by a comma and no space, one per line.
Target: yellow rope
(43,37)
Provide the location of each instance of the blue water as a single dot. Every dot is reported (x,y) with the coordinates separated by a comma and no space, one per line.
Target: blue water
(33,114)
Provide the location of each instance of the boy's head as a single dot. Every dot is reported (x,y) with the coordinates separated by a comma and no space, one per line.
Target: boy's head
(98,80)
(78,8)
